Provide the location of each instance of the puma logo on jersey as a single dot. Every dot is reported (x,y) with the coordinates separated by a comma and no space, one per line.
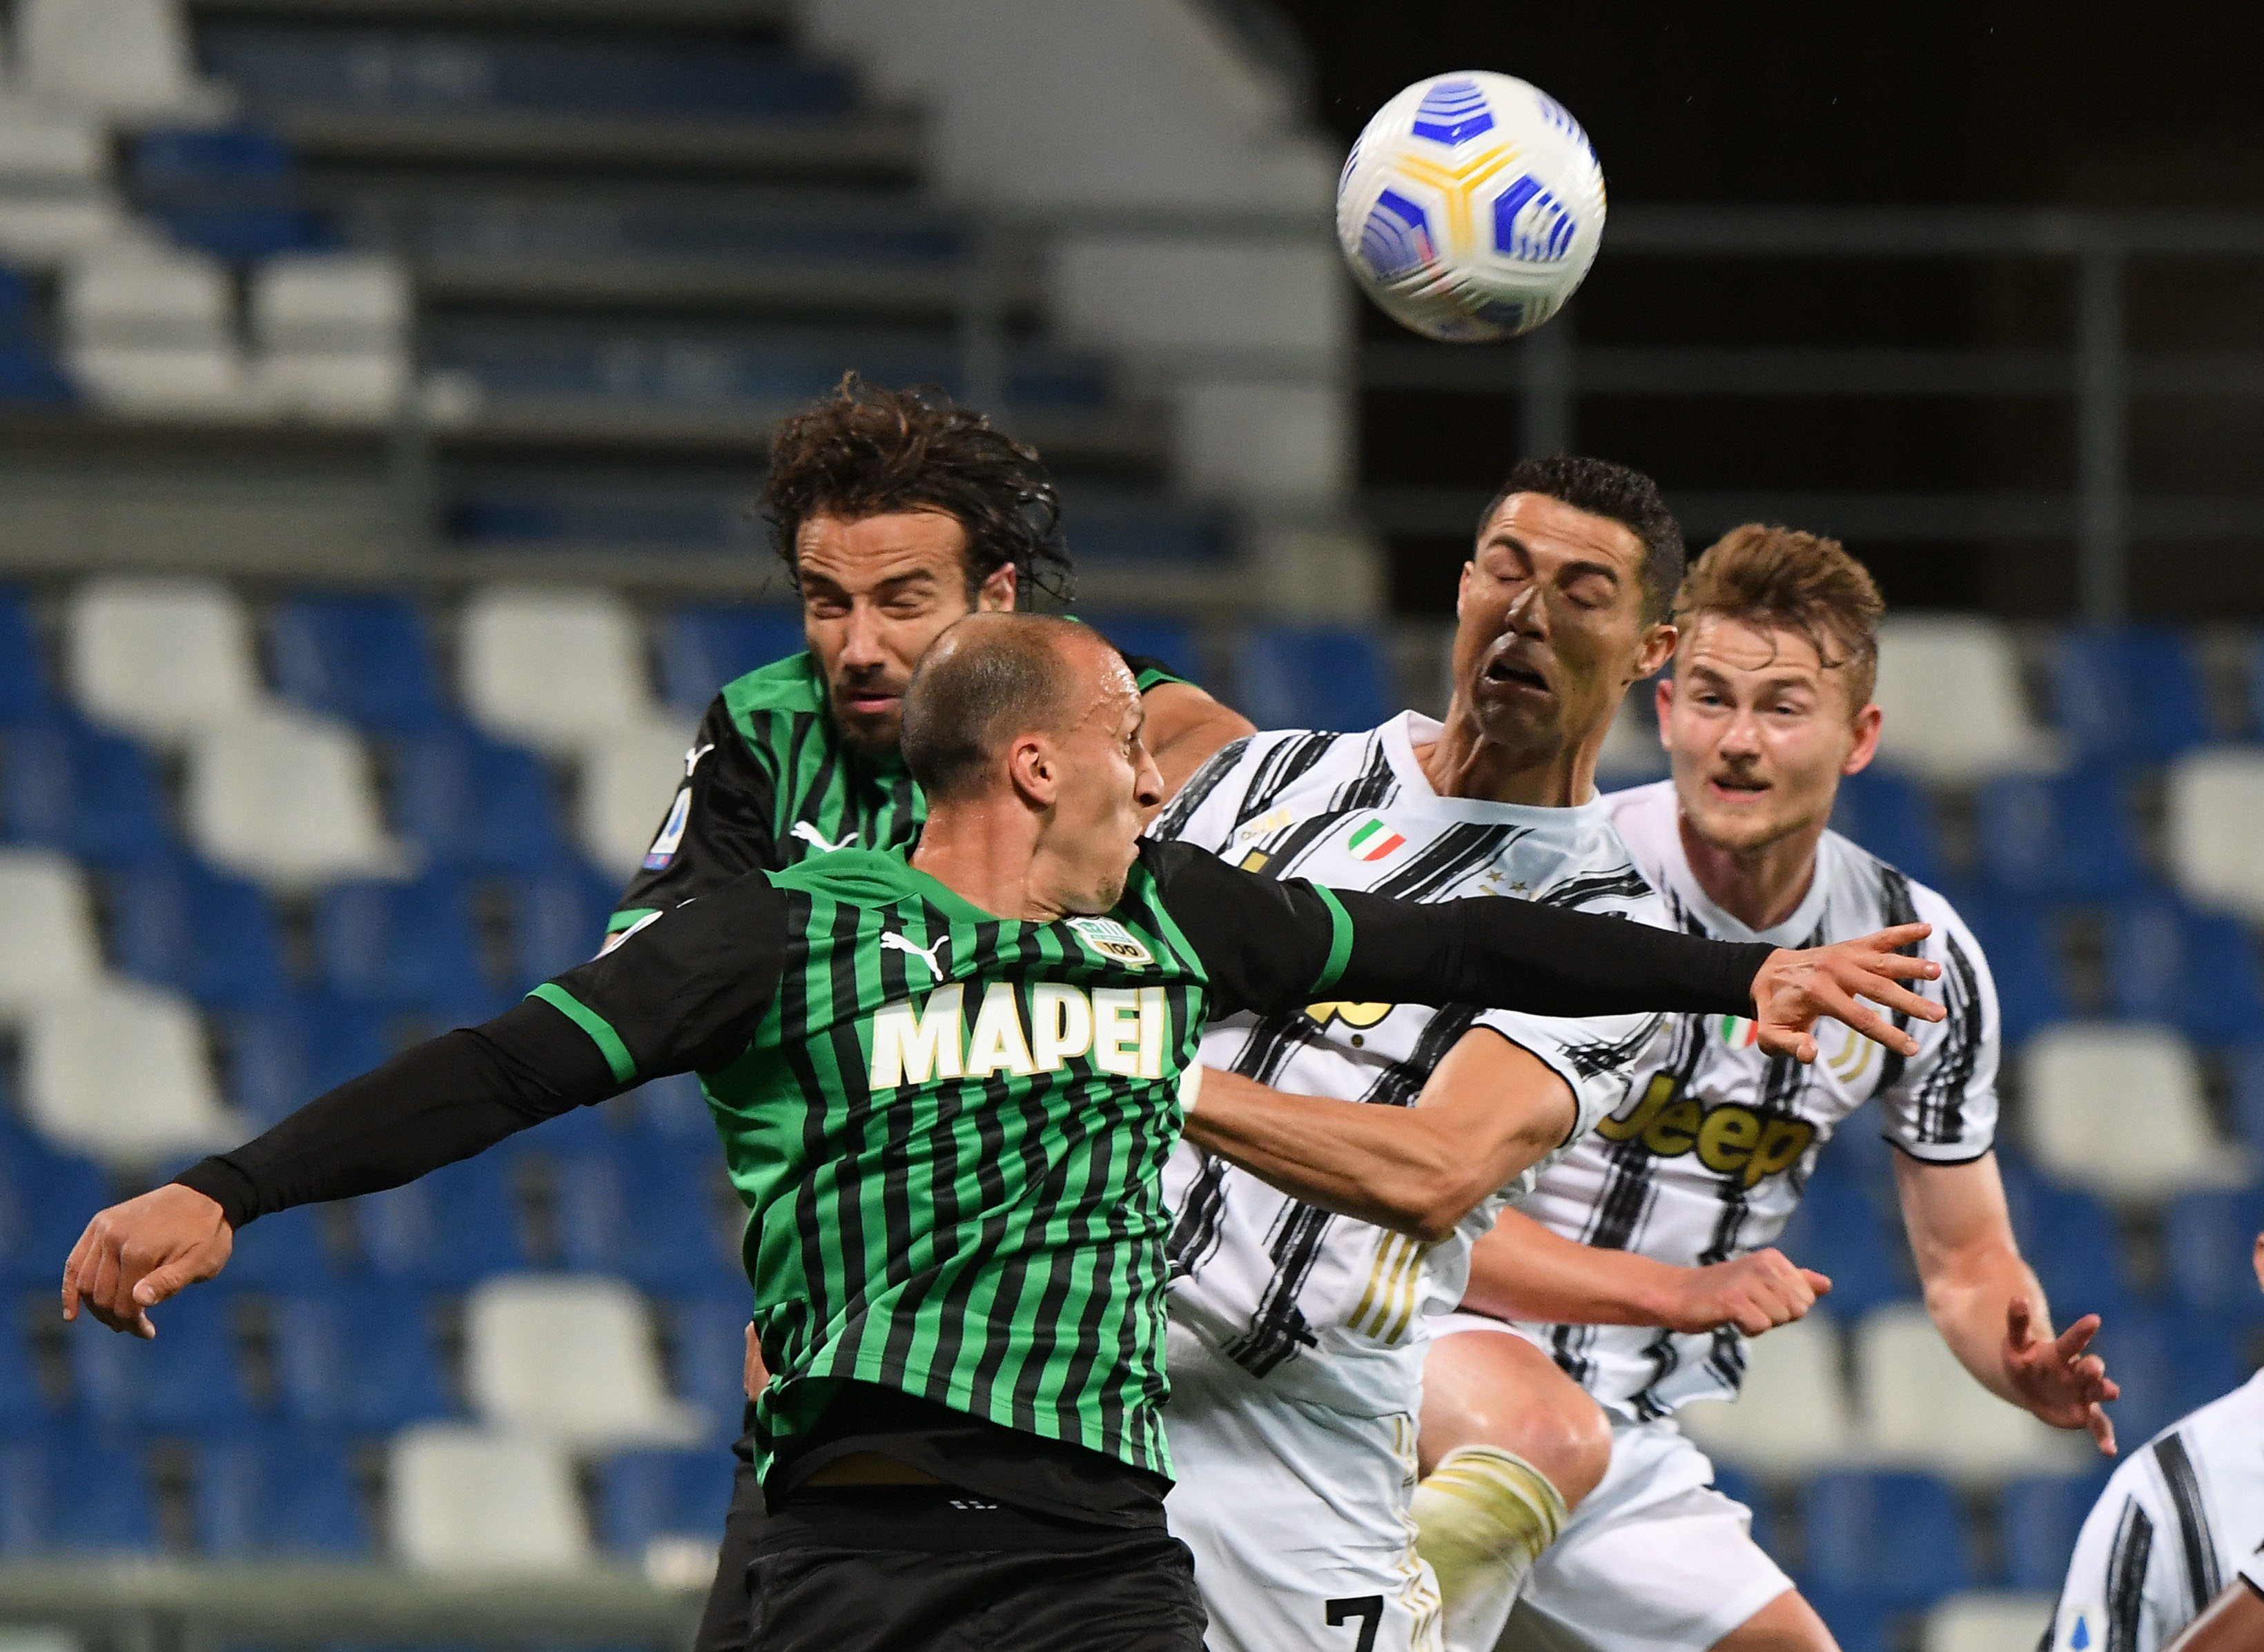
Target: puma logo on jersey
(692,758)
(811,834)
(892,942)
(1122,1029)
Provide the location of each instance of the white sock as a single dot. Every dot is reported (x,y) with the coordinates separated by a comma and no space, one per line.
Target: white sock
(1482,1517)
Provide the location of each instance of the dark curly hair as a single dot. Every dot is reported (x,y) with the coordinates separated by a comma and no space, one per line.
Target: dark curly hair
(1618,493)
(866,451)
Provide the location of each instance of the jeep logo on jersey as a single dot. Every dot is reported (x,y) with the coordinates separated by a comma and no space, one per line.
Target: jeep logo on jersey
(1730,1139)
(1112,940)
(1374,840)
(1120,1029)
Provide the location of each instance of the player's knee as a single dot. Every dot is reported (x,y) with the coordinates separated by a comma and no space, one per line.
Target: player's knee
(1580,1446)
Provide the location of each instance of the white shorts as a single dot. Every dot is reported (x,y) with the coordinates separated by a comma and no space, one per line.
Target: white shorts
(1654,1561)
(1296,1514)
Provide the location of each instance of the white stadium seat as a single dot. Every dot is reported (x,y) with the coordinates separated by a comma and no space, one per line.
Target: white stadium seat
(287,798)
(1983,1622)
(550,669)
(1951,689)
(2120,1109)
(570,1361)
(627,779)
(48,947)
(466,1500)
(2216,806)
(126,58)
(54,202)
(120,1071)
(160,659)
(333,330)
(151,330)
(1922,1409)
(1792,1417)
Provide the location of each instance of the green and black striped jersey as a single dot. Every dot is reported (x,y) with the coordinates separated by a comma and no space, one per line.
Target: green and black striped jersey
(767,784)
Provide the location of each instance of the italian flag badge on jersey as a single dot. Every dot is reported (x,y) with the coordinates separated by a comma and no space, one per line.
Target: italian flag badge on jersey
(1374,840)
(1737,1031)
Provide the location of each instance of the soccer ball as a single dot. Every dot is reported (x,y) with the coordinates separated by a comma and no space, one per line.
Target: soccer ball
(1471,207)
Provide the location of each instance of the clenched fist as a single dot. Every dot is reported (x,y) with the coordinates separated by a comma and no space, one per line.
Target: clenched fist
(1755,1293)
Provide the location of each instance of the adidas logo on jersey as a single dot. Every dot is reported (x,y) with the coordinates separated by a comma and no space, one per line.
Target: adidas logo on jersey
(1120,1029)
(1730,1139)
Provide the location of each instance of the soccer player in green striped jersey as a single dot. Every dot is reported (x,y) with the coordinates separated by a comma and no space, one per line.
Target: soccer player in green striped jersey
(946,1085)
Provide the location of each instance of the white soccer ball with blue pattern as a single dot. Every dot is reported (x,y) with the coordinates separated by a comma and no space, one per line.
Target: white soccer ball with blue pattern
(1471,207)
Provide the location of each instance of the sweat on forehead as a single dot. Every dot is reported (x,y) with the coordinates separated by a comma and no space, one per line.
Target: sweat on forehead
(990,678)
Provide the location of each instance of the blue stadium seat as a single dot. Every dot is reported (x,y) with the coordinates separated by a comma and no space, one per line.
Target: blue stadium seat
(360,1357)
(2131,693)
(407,945)
(2065,836)
(24,1400)
(449,1227)
(283,1251)
(214,937)
(2208,1239)
(645,1207)
(1839,1232)
(2197,971)
(1887,814)
(1164,639)
(703,649)
(558,919)
(2037,1520)
(2071,1241)
(66,785)
(475,804)
(1861,1624)
(69,1491)
(192,1377)
(1893,1538)
(274,1492)
(29,374)
(363,659)
(1314,679)
(24,694)
(674,1108)
(649,1494)
(46,1197)
(707,1335)
(2024,959)
(285,1053)
(2246,1064)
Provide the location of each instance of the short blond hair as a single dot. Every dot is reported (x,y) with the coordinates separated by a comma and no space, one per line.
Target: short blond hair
(1781,579)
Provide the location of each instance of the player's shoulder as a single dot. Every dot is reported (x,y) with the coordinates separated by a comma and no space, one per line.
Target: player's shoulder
(854,877)
(793,684)
(2227,1430)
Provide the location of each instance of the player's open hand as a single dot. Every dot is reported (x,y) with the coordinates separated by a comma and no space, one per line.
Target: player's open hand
(134,1255)
(1795,989)
(1755,1293)
(2056,1379)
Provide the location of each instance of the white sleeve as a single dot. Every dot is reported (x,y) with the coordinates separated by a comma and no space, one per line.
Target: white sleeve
(1209,809)
(2121,1590)
(1940,1104)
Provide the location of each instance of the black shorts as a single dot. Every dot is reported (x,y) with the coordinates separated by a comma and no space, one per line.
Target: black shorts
(723,1626)
(935,1569)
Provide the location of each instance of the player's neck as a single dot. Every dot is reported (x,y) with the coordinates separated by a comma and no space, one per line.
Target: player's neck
(1463,762)
(985,851)
(1760,887)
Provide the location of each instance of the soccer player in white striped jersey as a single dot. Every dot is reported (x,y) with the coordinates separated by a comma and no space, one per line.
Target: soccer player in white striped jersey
(1641,1259)
(2172,1554)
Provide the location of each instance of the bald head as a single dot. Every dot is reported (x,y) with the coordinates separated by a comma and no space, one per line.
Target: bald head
(989,679)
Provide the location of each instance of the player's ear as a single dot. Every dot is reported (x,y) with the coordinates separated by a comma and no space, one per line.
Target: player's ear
(1033,768)
(1663,698)
(1657,649)
(2257,1260)
(1868,722)
(1463,588)
(997,590)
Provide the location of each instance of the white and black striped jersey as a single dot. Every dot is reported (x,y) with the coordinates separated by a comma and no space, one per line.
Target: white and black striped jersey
(1710,1156)
(1327,1309)
(2177,1522)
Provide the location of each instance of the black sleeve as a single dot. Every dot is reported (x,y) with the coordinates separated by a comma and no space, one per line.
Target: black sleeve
(1273,946)
(726,831)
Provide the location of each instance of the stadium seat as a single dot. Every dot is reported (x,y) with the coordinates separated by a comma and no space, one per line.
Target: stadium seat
(1897,1538)
(2067,837)
(288,1051)
(56,200)
(708,1342)
(675,1110)
(228,191)
(24,696)
(2086,1087)
(69,786)
(570,1361)
(1951,689)
(2167,1362)
(2071,1239)
(66,1491)
(213,939)
(2197,971)
(551,669)
(1335,680)
(46,1197)
(48,947)
(364,660)
(332,329)
(150,332)
(2134,693)
(2024,959)
(628,775)
(644,1207)
(403,945)
(358,1356)
(459,1223)
(558,919)
(161,659)
(648,1496)
(1164,639)
(467,1500)
(287,798)
(473,804)
(192,1377)
(258,1494)
(1983,1622)
(703,649)
(2037,1519)
(127,59)
(2208,1239)
(24,1402)
(120,1071)
(1839,1233)
(1922,1410)
(284,1249)
(2215,799)
(1792,1417)
(1888,814)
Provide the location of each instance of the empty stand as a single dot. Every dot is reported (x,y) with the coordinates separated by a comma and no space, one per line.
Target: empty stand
(2037,1519)
(2025,960)
(1921,1408)
(161,659)
(2135,693)
(55,202)
(284,1052)
(2088,1088)
(262,1494)
(365,660)
(1314,679)
(126,59)
(404,947)
(628,775)
(570,1361)
(649,1496)
(189,1378)
(357,1357)
(1792,1416)
(121,1071)
(468,1501)
(1890,816)
(1988,1622)
(1890,1538)
(64,1491)
(150,331)
(48,947)
(332,330)
(551,669)
(472,804)
(211,937)
(2215,798)
(2067,837)
(463,1221)
(2193,970)
(289,800)
(2207,1239)
(1951,689)
(72,786)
